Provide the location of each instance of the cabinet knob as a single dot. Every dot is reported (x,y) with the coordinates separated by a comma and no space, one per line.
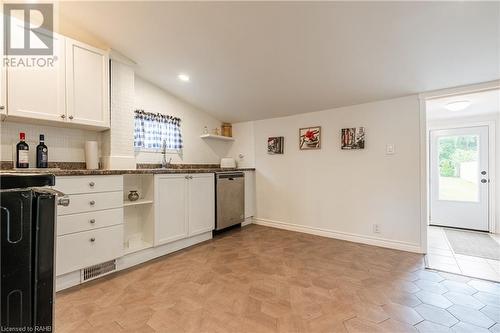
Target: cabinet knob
(91,184)
(92,239)
(70,117)
(92,221)
(2,107)
(92,202)
(187,177)
(63,116)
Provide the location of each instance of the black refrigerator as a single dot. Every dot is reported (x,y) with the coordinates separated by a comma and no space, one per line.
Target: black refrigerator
(27,245)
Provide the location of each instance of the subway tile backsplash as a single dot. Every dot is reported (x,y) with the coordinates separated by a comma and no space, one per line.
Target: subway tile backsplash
(65,144)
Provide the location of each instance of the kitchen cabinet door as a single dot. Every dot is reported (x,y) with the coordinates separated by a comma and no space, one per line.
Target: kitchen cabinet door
(39,92)
(170,208)
(87,81)
(201,204)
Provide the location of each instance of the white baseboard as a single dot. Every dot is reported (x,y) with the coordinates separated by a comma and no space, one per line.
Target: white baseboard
(391,244)
(248,220)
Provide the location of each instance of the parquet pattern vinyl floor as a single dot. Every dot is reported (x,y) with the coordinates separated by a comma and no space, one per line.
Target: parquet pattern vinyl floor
(261,279)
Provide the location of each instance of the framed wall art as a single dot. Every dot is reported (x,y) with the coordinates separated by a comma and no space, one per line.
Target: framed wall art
(353,138)
(275,145)
(310,138)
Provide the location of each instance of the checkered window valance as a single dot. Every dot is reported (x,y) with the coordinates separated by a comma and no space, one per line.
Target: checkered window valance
(154,130)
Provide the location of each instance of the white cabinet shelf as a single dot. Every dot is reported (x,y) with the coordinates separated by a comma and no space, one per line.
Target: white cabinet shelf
(138,215)
(216,137)
(142,246)
(137,202)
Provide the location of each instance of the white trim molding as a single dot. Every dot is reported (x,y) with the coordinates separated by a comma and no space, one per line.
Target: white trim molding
(381,242)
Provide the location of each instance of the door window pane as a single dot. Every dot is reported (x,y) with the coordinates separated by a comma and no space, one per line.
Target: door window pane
(459,168)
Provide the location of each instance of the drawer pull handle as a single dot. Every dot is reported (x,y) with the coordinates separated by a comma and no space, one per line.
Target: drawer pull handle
(92,239)
(92,202)
(92,221)
(91,184)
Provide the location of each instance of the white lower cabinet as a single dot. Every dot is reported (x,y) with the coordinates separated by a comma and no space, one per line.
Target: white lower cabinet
(87,248)
(201,204)
(90,228)
(170,208)
(185,206)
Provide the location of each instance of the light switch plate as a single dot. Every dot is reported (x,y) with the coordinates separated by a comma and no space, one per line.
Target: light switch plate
(389,149)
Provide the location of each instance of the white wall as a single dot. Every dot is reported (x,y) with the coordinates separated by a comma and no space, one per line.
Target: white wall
(118,141)
(243,148)
(343,193)
(65,144)
(196,150)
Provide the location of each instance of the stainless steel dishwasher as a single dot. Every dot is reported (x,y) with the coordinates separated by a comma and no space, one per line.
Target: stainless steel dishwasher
(229,199)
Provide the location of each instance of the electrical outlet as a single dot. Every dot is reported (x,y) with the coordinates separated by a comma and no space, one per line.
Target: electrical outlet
(376,229)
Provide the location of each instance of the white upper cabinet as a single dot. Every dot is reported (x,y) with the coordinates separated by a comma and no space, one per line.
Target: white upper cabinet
(87,84)
(39,92)
(201,189)
(73,91)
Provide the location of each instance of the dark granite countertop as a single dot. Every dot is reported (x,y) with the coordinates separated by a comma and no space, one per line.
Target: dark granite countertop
(85,172)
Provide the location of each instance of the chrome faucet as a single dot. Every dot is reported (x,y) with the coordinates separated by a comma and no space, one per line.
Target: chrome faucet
(164,163)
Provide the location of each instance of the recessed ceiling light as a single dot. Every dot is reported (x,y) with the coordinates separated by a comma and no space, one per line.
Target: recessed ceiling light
(457,106)
(183,77)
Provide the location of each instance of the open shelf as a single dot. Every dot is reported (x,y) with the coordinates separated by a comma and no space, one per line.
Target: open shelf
(138,216)
(216,137)
(138,202)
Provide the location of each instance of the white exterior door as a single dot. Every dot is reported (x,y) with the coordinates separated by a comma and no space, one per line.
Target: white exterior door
(459,178)
(170,208)
(201,203)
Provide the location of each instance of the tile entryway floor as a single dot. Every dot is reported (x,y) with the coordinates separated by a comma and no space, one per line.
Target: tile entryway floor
(441,256)
(268,280)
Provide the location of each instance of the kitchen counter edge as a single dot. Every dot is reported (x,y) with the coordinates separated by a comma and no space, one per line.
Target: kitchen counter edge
(86,172)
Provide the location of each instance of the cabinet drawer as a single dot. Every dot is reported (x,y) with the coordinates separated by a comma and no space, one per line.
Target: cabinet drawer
(68,224)
(88,184)
(80,203)
(83,249)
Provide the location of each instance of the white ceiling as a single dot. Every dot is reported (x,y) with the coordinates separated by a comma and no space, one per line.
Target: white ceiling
(267,59)
(482,103)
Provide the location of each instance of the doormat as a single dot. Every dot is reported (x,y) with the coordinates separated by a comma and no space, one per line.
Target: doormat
(473,244)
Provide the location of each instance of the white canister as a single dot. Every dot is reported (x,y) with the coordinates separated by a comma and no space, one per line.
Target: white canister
(91,155)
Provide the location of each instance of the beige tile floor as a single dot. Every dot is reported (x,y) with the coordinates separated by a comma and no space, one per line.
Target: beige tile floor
(259,280)
(441,256)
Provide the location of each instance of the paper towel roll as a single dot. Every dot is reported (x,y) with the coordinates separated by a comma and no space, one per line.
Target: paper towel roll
(91,155)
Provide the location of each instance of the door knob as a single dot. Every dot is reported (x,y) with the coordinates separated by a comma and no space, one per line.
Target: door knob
(484,180)
(483,172)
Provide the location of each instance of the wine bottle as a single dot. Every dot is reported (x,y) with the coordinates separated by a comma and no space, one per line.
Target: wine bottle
(42,154)
(22,152)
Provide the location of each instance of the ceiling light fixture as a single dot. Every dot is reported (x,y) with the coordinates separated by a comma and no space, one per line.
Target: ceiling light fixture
(457,105)
(183,77)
